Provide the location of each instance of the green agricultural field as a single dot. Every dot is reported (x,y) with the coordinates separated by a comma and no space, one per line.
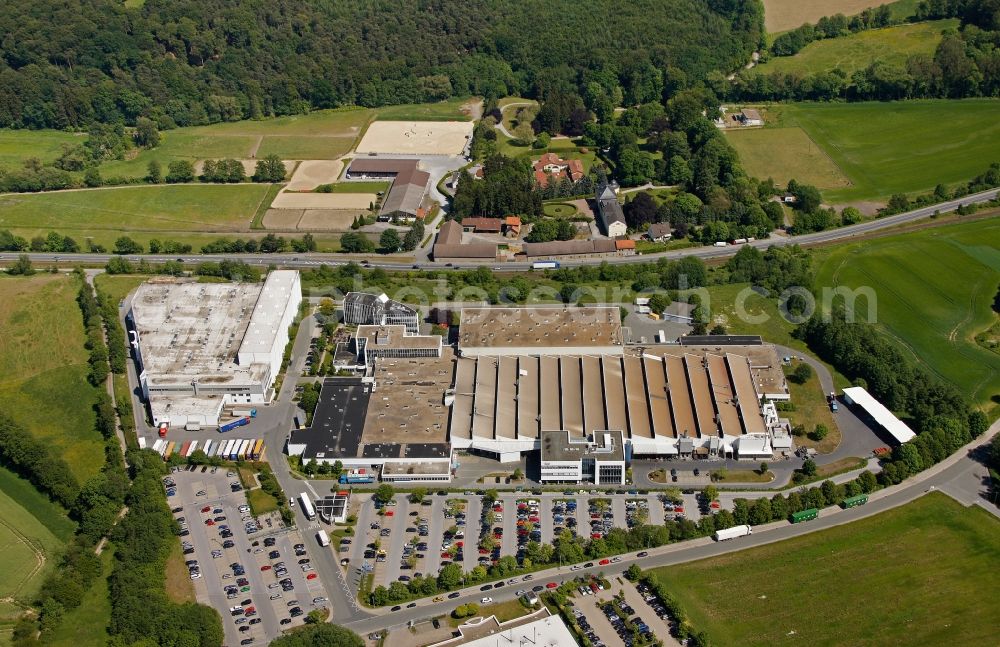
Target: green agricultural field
(449,110)
(224,209)
(884,148)
(935,288)
(782,15)
(786,153)
(43,368)
(916,575)
(29,549)
(46,145)
(857,51)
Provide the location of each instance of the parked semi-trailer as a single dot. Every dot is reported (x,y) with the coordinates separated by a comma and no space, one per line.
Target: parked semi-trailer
(184,448)
(194,447)
(142,442)
(545,265)
(159,445)
(733,533)
(805,515)
(244,413)
(233,450)
(854,501)
(229,426)
(258,449)
(307,507)
(208,448)
(169,450)
(323,538)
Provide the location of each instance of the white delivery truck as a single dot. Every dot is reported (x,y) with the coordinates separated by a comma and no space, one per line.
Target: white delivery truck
(323,538)
(733,533)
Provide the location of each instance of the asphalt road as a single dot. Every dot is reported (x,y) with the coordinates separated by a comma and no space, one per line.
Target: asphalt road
(305,261)
(959,467)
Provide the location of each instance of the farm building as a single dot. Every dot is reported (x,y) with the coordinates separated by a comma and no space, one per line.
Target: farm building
(449,248)
(202,346)
(751,117)
(409,184)
(609,211)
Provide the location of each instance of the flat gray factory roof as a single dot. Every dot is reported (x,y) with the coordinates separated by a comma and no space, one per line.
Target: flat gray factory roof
(394,336)
(195,329)
(279,289)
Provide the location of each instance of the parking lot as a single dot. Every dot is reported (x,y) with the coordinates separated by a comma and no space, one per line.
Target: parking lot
(257,577)
(620,615)
(412,539)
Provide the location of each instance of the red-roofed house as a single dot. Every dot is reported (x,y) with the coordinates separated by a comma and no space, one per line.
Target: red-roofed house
(512,226)
(550,166)
(625,247)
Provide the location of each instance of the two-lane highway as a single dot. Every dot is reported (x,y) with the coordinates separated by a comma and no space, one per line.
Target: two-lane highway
(306,261)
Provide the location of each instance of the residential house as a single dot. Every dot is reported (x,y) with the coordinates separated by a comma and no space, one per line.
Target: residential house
(552,167)
(659,232)
(609,211)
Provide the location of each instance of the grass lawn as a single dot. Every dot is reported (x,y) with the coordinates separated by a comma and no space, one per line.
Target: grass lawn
(891,45)
(558,209)
(261,502)
(118,286)
(44,368)
(88,623)
(449,110)
(915,575)
(186,208)
(935,288)
(812,409)
(179,586)
(357,187)
(29,550)
(786,153)
(46,145)
(742,476)
(895,147)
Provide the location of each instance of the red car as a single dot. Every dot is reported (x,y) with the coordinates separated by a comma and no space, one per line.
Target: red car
(265,567)
(311,576)
(551,585)
(483,551)
(596,535)
(715,505)
(209,522)
(679,509)
(459,544)
(445,555)
(604,562)
(250,610)
(207,508)
(389,513)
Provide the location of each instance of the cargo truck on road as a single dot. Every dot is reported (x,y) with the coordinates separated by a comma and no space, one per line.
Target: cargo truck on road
(733,533)
(323,538)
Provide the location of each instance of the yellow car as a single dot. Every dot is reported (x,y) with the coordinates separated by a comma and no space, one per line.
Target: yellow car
(439,599)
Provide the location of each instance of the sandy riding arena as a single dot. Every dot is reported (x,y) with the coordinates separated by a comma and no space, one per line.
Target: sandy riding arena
(286,200)
(311,173)
(416,137)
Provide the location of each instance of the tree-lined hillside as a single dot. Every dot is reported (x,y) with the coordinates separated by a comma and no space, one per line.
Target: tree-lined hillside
(188,62)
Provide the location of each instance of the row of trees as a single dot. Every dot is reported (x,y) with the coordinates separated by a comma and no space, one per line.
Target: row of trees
(177,65)
(141,612)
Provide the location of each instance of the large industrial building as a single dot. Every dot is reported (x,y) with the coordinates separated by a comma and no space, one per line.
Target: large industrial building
(556,380)
(363,308)
(200,347)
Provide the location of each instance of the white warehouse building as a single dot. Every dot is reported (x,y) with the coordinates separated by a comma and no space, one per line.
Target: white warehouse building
(200,347)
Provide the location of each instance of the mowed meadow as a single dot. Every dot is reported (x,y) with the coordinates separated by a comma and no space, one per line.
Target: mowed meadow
(919,575)
(935,289)
(892,45)
(43,368)
(881,148)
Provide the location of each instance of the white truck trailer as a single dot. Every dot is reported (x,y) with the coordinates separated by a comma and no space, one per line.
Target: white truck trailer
(733,533)
(323,538)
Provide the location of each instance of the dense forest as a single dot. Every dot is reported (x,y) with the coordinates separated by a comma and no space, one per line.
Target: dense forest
(185,62)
